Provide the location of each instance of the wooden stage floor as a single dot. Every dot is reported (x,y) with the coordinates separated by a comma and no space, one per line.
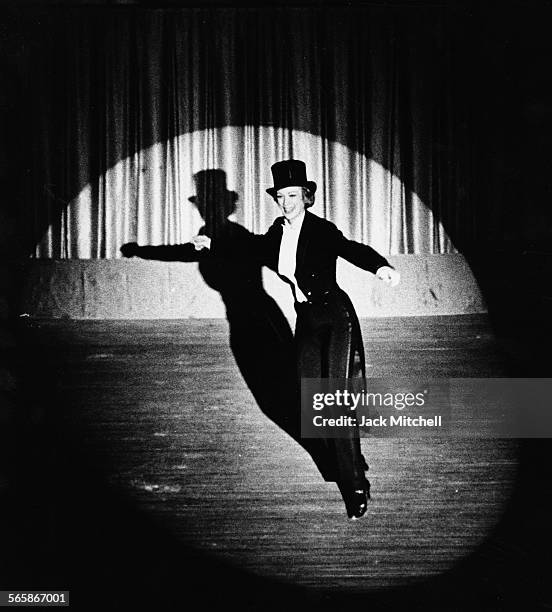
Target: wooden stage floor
(148,476)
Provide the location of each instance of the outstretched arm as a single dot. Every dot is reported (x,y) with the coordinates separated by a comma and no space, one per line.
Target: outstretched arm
(173,252)
(367,258)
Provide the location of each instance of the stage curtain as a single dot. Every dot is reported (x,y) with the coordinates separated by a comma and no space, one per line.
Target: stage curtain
(125,106)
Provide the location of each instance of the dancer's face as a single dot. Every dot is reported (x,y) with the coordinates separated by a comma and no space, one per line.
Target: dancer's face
(291,201)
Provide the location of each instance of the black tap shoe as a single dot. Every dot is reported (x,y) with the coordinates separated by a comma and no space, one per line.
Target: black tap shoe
(356,500)
(357,503)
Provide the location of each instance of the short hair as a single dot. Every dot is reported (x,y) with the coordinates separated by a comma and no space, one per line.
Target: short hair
(308,197)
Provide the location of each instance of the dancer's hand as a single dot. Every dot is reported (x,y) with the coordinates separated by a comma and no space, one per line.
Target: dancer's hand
(129,249)
(201,242)
(388,275)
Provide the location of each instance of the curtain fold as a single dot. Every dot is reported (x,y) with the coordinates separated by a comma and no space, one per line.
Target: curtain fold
(128,105)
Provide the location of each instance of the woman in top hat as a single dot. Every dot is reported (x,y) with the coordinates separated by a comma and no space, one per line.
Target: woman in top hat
(303,249)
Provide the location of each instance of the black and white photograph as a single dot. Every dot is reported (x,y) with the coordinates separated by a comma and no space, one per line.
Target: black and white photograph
(276,305)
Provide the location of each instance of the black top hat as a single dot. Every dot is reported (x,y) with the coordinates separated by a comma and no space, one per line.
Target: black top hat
(290,173)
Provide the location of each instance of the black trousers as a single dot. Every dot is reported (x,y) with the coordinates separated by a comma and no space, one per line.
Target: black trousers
(329,345)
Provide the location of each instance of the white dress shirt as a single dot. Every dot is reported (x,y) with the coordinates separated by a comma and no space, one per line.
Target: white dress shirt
(287,259)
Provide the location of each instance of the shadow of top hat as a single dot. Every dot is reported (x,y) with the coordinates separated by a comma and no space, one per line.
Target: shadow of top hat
(211,192)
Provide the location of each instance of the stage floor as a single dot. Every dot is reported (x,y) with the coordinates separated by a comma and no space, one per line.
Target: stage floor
(148,474)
